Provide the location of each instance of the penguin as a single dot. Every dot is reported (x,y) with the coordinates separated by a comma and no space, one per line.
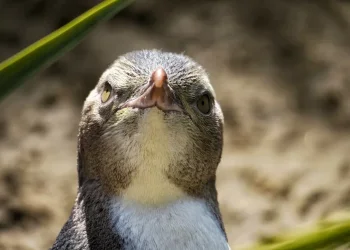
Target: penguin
(149,144)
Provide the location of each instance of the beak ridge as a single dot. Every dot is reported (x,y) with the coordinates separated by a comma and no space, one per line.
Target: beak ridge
(158,94)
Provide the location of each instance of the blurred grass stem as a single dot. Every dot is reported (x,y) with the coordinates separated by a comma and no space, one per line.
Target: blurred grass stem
(325,236)
(42,53)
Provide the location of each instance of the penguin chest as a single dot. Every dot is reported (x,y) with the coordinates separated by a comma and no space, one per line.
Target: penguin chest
(181,225)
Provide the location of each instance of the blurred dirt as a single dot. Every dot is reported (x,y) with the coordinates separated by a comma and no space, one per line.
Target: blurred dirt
(281,73)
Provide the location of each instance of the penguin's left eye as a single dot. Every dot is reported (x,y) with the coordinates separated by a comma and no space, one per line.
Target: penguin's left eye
(107,92)
(204,104)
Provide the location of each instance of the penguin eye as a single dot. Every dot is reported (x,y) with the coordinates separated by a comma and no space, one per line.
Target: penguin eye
(204,104)
(106,93)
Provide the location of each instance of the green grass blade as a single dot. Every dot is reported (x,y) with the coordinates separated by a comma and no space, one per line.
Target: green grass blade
(333,236)
(40,54)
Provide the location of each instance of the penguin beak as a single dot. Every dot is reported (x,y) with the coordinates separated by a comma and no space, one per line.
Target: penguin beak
(157,94)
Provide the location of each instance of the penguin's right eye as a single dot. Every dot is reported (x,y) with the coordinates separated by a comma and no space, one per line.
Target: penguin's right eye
(106,93)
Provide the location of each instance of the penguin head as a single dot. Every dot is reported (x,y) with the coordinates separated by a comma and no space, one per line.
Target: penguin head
(151,129)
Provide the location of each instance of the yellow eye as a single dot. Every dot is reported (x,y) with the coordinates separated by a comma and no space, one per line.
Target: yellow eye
(107,92)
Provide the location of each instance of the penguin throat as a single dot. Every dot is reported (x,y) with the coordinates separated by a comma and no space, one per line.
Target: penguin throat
(152,188)
(157,147)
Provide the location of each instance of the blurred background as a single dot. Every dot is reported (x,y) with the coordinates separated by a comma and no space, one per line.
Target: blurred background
(281,71)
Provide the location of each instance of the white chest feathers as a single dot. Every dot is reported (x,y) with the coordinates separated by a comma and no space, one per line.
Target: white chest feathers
(185,225)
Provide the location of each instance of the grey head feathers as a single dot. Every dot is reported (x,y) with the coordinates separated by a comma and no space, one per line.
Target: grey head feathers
(184,147)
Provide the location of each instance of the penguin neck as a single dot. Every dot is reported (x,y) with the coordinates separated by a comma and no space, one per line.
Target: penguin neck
(187,223)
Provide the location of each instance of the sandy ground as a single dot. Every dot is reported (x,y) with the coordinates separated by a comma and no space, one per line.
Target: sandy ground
(281,73)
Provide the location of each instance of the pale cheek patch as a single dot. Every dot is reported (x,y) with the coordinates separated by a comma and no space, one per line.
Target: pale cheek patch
(155,147)
(123,113)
